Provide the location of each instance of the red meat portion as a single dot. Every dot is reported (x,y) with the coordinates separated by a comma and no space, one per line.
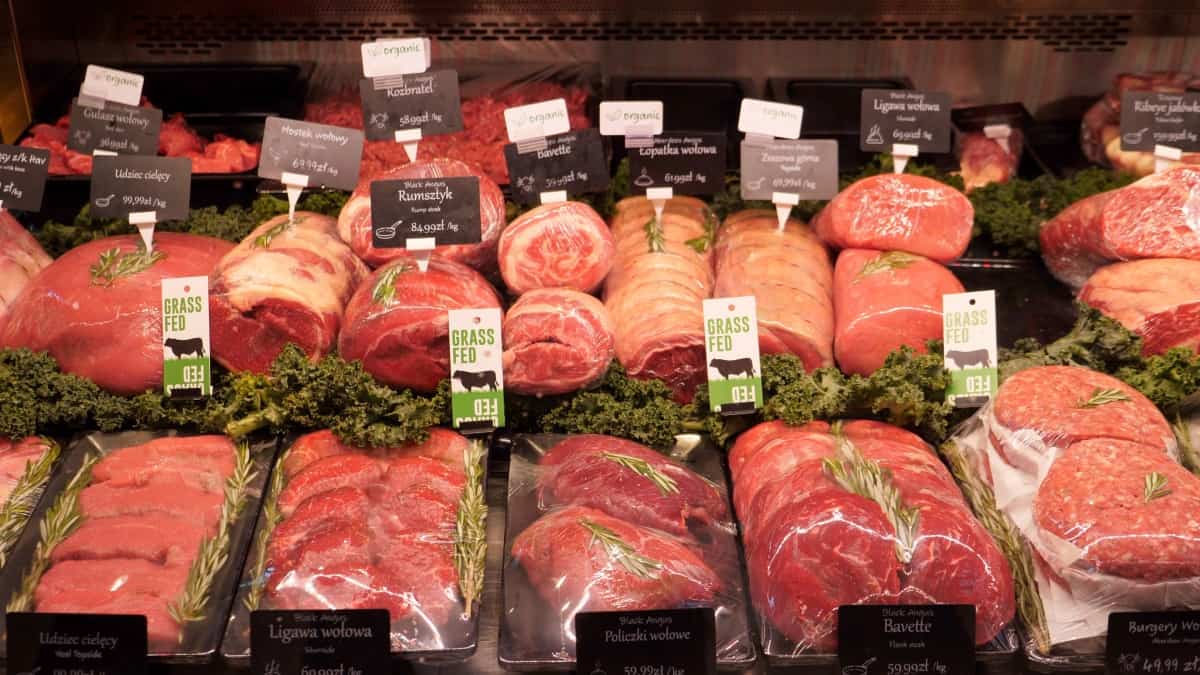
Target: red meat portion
(1157,298)
(21,258)
(317,514)
(162,631)
(15,456)
(562,245)
(342,586)
(197,462)
(328,474)
(177,139)
(159,539)
(556,341)
(432,602)
(984,160)
(103,500)
(443,444)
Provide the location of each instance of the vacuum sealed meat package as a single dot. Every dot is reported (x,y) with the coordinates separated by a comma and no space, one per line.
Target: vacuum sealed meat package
(600,524)
(560,245)
(556,341)
(25,468)
(20,260)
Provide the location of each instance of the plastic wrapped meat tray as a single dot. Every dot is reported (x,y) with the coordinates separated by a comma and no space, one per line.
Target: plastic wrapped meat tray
(597,523)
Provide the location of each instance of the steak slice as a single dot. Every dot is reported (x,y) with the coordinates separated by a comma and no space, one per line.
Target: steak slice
(103,500)
(83,581)
(314,516)
(558,245)
(162,631)
(347,546)
(443,444)
(330,473)
(1157,298)
(342,586)
(429,582)
(158,539)
(556,341)
(196,462)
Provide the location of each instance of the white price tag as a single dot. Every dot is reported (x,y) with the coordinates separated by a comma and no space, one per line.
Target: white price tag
(112,85)
(187,366)
(969,347)
(631,118)
(396,57)
(537,120)
(731,352)
(476,369)
(768,118)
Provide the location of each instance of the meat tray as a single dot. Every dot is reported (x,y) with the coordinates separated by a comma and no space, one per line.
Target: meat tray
(199,640)
(533,636)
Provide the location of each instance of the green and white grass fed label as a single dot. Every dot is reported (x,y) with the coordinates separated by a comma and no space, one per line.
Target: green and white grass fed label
(476,370)
(969,347)
(187,366)
(731,352)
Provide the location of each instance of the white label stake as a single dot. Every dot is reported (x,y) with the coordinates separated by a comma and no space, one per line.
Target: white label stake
(901,153)
(999,133)
(410,138)
(145,221)
(784,201)
(553,197)
(422,249)
(294,184)
(658,197)
(1165,156)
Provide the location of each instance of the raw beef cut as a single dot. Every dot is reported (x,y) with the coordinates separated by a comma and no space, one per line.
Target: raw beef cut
(286,282)
(1156,217)
(656,290)
(562,245)
(97,309)
(21,258)
(396,322)
(899,212)
(584,559)
(788,273)
(1157,298)
(627,480)
(442,444)
(883,300)
(15,457)
(556,341)
(354,222)
(984,160)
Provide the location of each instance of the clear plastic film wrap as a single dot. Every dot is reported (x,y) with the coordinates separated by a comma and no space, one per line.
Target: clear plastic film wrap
(98,309)
(561,245)
(1080,476)
(788,272)
(21,258)
(1100,131)
(858,512)
(885,299)
(899,212)
(1157,298)
(25,467)
(556,340)
(983,160)
(396,322)
(381,528)
(598,523)
(287,281)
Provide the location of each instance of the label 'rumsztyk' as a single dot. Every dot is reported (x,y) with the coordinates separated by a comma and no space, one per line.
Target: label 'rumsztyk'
(476,370)
(187,364)
(969,339)
(731,355)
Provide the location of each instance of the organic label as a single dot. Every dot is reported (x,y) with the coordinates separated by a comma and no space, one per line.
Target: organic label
(128,184)
(23,174)
(573,162)
(95,644)
(691,164)
(657,642)
(537,120)
(341,642)
(768,118)
(443,209)
(1153,642)
(808,169)
(476,370)
(187,365)
(1150,118)
(891,116)
(731,352)
(382,58)
(933,639)
(114,85)
(429,102)
(631,118)
(969,339)
(328,155)
(125,130)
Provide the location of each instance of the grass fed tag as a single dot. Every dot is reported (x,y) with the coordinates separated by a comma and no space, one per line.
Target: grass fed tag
(429,102)
(1150,118)
(657,642)
(476,371)
(126,184)
(631,118)
(328,155)
(969,347)
(443,209)
(125,130)
(891,116)
(23,174)
(805,168)
(187,368)
(916,639)
(768,118)
(572,161)
(731,350)
(96,644)
(396,57)
(1153,642)
(111,84)
(345,642)
(691,164)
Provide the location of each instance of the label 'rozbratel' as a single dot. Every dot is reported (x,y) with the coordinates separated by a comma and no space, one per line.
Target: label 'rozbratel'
(731,354)
(476,370)
(187,364)
(969,347)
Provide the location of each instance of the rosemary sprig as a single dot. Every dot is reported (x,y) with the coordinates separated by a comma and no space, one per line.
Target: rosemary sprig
(1155,486)
(654,236)
(1188,456)
(264,240)
(385,287)
(114,264)
(271,517)
(59,521)
(24,497)
(641,467)
(700,244)
(621,551)
(886,262)
(1102,397)
(470,545)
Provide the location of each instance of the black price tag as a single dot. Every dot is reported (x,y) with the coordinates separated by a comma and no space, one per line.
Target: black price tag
(1153,642)
(890,116)
(444,209)
(23,174)
(426,101)
(805,168)
(1150,118)
(126,184)
(328,155)
(572,161)
(659,642)
(96,644)
(933,639)
(346,642)
(123,129)
(690,164)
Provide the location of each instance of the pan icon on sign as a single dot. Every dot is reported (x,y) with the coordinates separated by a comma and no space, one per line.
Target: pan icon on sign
(388,232)
(103,202)
(1134,137)
(757,183)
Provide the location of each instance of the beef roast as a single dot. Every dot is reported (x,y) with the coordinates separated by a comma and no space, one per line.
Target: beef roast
(286,282)
(883,300)
(984,160)
(397,325)
(21,258)
(560,245)
(556,341)
(1157,298)
(97,309)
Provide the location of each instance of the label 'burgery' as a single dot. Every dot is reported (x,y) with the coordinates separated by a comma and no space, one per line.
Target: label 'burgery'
(187,364)
(476,370)
(731,355)
(969,347)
